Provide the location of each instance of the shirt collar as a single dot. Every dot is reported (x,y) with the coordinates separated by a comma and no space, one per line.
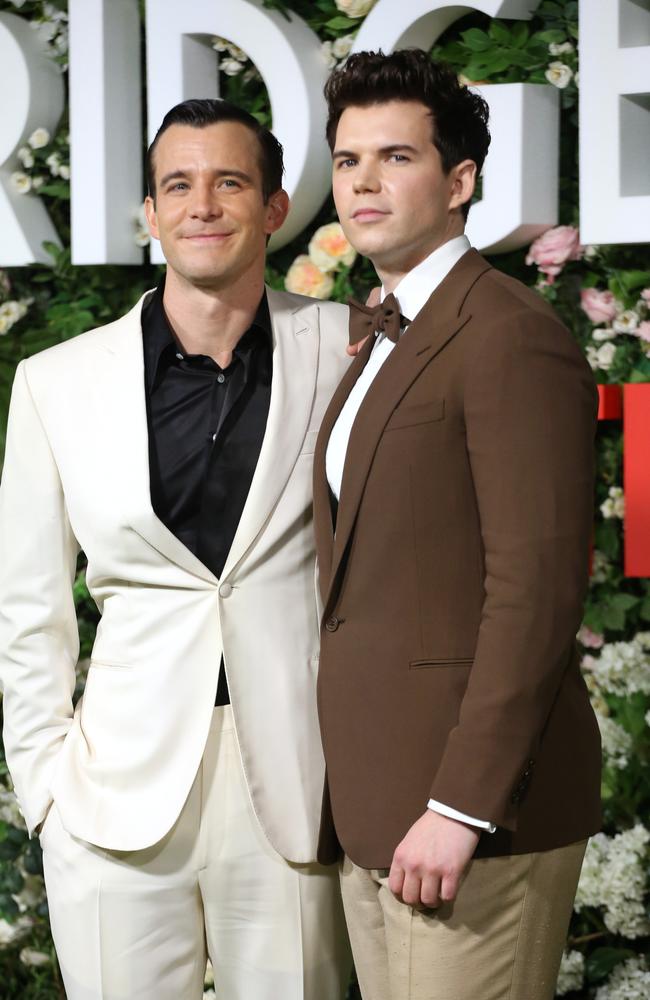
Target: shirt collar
(161,344)
(417,286)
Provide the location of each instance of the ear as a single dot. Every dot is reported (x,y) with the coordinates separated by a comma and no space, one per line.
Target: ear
(277,209)
(150,213)
(463,183)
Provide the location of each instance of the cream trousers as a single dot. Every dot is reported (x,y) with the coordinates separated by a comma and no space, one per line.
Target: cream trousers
(137,925)
(501,939)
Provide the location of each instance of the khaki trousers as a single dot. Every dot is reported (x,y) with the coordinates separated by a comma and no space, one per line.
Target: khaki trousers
(501,939)
(137,925)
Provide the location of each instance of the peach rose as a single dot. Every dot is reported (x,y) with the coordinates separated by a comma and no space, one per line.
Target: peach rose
(599,306)
(355,8)
(554,248)
(329,248)
(305,278)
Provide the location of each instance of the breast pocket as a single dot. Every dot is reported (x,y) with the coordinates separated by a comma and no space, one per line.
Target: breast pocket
(309,443)
(410,416)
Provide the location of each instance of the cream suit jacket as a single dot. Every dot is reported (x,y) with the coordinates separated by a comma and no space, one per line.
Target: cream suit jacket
(76,477)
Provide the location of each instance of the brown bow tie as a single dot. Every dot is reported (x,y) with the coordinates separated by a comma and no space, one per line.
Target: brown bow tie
(365,320)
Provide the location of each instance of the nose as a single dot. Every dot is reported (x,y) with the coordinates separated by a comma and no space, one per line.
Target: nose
(204,205)
(366,177)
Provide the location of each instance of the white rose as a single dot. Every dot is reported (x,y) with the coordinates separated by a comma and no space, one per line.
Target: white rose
(39,138)
(219,44)
(355,8)
(559,48)
(605,356)
(26,157)
(603,333)
(17,3)
(305,278)
(10,313)
(626,322)
(29,956)
(559,74)
(231,67)
(142,238)
(571,974)
(237,53)
(20,182)
(342,46)
(328,54)
(614,506)
(38,182)
(9,933)
(64,171)
(54,163)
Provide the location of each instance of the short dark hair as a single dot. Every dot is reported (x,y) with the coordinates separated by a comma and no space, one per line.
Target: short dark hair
(199,113)
(459,116)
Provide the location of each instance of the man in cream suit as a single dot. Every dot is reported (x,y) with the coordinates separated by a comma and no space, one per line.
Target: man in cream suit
(174,448)
(462,752)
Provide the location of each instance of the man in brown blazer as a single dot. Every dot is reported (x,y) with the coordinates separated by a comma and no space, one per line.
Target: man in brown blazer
(453,506)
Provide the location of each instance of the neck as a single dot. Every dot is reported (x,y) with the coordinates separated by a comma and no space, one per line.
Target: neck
(211,321)
(391,268)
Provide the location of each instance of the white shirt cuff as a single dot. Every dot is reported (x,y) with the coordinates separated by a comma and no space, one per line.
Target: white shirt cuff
(454,814)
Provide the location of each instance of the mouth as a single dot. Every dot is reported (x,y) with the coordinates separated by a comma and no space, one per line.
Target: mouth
(207,238)
(368,214)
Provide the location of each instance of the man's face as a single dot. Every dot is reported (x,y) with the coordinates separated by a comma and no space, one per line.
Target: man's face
(209,212)
(394,201)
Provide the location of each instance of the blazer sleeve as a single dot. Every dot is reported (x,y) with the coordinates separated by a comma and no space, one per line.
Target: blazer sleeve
(39,639)
(530,416)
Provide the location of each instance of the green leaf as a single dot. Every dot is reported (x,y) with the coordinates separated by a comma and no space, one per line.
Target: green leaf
(340,23)
(644,610)
(602,960)
(641,371)
(499,33)
(476,40)
(56,191)
(631,280)
(625,601)
(520,34)
(552,35)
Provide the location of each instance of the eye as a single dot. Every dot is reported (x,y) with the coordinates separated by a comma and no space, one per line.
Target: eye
(178,186)
(230,183)
(345,164)
(398,158)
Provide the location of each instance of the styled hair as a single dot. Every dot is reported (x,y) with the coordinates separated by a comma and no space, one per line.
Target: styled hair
(199,113)
(459,117)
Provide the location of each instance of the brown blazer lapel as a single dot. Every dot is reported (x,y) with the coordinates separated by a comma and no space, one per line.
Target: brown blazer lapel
(436,324)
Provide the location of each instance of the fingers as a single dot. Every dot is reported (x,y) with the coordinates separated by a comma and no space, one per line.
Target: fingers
(449,886)
(396,879)
(353,349)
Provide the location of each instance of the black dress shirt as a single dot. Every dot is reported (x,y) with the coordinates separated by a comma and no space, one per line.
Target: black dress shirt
(206,426)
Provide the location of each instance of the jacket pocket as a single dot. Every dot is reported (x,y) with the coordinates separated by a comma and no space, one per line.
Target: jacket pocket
(107,664)
(410,416)
(459,661)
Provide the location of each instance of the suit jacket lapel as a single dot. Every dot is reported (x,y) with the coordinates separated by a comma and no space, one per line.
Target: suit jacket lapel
(129,433)
(436,324)
(295,365)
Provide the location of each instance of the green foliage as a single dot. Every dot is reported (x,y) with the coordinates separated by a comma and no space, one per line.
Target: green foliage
(62,301)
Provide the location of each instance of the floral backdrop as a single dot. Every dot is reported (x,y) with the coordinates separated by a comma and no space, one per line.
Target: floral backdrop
(603,295)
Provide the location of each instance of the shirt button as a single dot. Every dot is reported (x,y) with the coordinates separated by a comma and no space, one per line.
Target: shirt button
(332,624)
(179,356)
(221,377)
(225,590)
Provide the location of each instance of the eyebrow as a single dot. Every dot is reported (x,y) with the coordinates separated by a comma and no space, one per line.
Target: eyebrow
(398,147)
(177,175)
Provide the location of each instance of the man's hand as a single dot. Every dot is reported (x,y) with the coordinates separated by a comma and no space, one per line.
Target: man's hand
(373,300)
(429,863)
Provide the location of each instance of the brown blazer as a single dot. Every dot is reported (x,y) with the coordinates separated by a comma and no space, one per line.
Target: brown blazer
(453,586)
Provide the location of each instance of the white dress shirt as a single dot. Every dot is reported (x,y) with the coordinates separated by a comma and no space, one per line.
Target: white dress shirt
(411,292)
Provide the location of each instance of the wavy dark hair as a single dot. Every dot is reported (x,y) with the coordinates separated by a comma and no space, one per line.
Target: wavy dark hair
(199,113)
(459,116)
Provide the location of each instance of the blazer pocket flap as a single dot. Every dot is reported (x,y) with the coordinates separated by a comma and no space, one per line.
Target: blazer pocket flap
(309,443)
(459,661)
(410,416)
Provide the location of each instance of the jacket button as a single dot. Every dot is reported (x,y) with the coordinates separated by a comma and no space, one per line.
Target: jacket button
(225,590)
(332,624)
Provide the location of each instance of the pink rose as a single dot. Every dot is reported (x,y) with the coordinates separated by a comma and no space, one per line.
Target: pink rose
(554,248)
(599,306)
(645,295)
(643,330)
(589,639)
